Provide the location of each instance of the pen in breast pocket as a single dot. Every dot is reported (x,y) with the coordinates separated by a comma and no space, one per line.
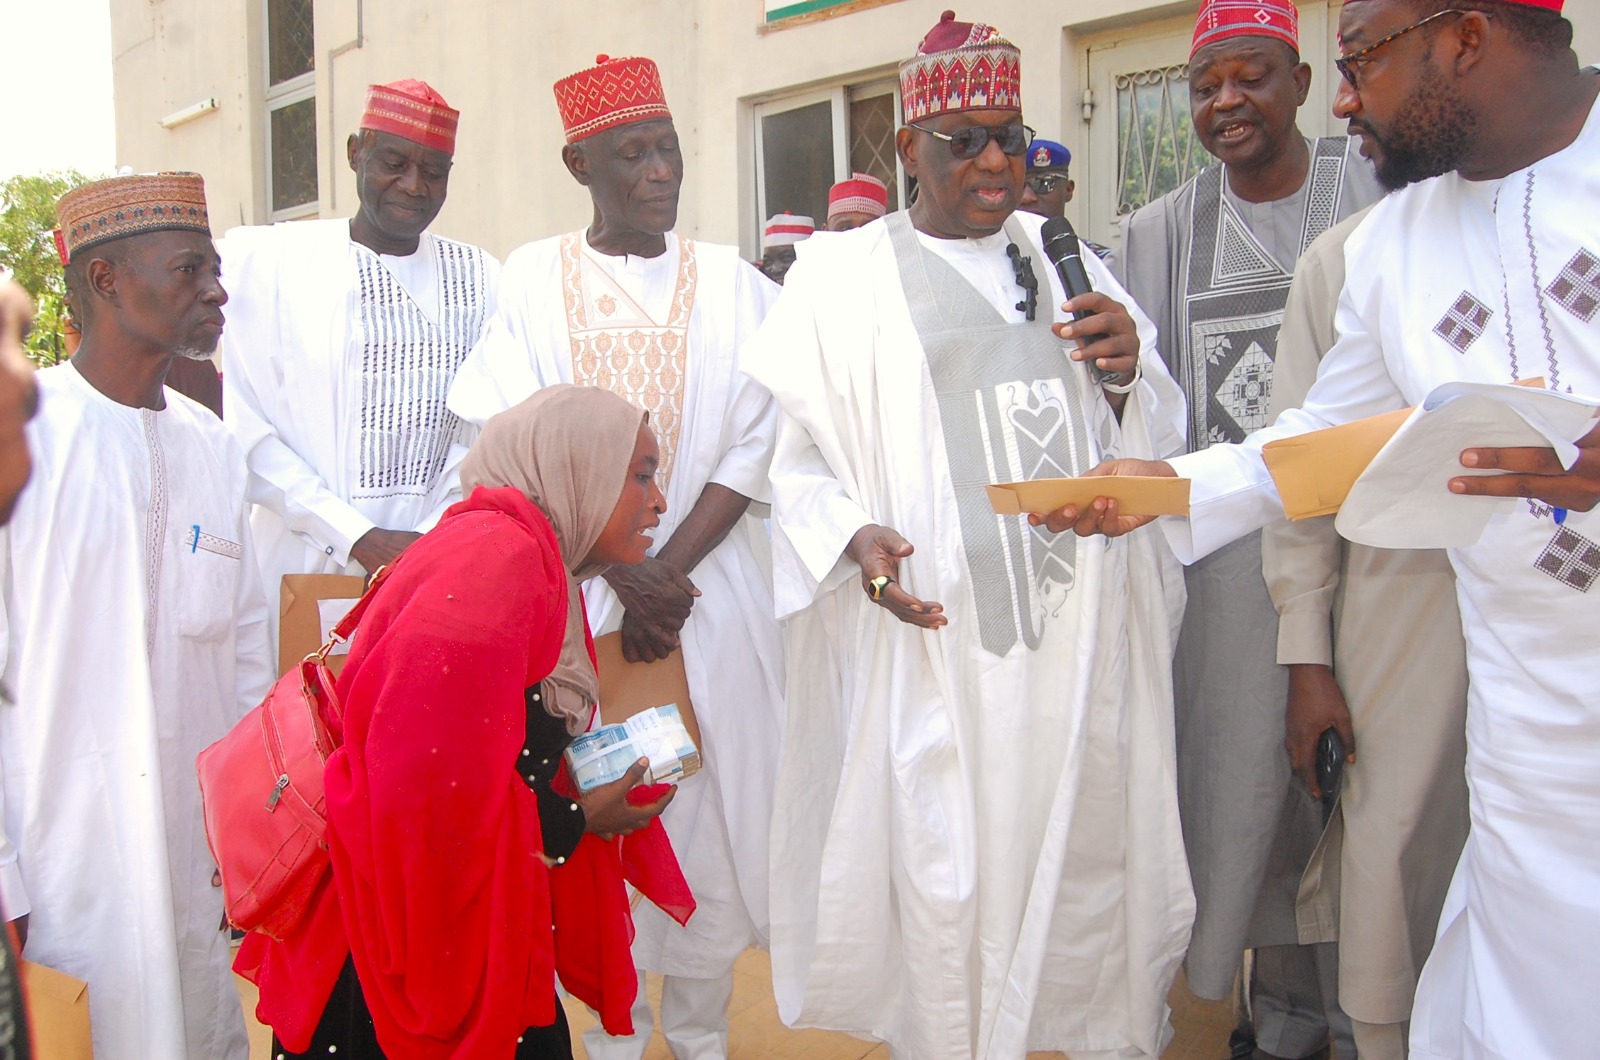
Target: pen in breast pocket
(196,542)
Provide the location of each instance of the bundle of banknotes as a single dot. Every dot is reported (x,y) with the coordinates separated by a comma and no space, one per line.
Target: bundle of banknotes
(604,755)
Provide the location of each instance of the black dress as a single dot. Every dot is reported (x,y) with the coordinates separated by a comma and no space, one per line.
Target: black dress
(346,1030)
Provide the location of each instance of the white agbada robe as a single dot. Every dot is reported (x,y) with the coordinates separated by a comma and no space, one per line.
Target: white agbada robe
(337,363)
(975,853)
(732,651)
(134,635)
(1501,281)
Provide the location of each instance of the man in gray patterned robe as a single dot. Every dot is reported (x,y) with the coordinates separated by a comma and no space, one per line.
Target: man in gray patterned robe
(1211,263)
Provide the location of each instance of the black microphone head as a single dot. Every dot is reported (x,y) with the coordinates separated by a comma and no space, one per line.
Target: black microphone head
(1060,241)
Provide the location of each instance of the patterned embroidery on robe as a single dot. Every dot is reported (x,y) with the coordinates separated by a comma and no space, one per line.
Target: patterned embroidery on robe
(408,362)
(1233,301)
(618,346)
(1571,559)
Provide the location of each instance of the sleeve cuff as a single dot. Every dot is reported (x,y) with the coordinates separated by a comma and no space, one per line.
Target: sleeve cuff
(561,822)
(13,895)
(1305,637)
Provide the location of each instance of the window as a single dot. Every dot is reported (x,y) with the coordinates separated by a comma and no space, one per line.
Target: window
(1157,149)
(291,110)
(807,142)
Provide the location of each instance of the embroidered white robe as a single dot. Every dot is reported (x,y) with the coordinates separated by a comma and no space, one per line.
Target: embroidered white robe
(1484,281)
(718,427)
(976,853)
(336,365)
(134,635)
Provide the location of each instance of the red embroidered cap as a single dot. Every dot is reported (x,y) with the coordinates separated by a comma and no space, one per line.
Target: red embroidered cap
(610,93)
(412,110)
(961,66)
(1224,19)
(862,193)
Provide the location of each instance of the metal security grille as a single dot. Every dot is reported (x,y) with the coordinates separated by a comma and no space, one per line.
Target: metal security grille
(290,97)
(1157,149)
(290,40)
(872,128)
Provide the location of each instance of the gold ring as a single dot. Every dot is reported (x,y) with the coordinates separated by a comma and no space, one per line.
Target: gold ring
(877,585)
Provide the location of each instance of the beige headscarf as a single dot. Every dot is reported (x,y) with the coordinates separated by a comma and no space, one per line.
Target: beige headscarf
(567,448)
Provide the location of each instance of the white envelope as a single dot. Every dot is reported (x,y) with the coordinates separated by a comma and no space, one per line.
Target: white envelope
(1403,498)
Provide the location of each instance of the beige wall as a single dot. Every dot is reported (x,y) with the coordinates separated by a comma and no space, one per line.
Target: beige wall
(495,60)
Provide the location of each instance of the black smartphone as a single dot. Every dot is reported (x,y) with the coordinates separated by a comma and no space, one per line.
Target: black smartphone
(1330,768)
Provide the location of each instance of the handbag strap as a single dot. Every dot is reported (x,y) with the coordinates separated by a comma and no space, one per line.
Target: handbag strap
(352,618)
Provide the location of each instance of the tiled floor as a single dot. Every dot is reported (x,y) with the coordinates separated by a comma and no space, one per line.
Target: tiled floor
(756,1033)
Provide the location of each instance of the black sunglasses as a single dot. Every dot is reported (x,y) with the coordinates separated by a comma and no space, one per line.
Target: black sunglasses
(1045,183)
(970,142)
(1349,64)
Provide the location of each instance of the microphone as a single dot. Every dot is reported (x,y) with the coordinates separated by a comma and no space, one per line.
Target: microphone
(1061,247)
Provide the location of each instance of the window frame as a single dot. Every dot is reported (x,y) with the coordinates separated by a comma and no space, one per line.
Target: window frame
(276,97)
(839,95)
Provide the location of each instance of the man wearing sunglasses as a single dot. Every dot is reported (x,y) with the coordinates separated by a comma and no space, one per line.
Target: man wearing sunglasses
(1483,267)
(1049,185)
(977,851)
(1212,262)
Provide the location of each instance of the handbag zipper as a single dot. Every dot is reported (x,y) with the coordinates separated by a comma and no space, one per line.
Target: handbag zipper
(277,792)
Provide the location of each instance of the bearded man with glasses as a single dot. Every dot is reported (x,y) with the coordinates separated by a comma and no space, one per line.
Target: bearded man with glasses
(1483,267)
(976,852)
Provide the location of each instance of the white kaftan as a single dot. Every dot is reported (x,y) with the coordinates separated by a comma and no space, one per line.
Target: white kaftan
(714,426)
(1486,281)
(337,362)
(134,635)
(976,850)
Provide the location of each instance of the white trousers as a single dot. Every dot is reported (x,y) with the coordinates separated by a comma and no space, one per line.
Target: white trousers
(694,1021)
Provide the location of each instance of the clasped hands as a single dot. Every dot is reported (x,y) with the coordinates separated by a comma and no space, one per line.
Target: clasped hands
(656,599)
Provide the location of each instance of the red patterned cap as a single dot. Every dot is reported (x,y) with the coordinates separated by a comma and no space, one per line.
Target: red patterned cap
(412,110)
(1224,19)
(862,193)
(116,207)
(610,93)
(961,66)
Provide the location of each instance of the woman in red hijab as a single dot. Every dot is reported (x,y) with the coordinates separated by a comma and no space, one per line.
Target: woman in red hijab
(467,873)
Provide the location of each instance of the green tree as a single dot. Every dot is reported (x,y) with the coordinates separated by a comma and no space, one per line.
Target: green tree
(28,249)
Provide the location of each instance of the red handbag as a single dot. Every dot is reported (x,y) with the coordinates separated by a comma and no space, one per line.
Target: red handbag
(261,792)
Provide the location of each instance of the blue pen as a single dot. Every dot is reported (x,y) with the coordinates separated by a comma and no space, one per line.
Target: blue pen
(196,542)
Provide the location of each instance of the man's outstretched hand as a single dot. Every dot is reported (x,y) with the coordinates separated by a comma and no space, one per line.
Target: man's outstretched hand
(1536,473)
(878,551)
(1101,515)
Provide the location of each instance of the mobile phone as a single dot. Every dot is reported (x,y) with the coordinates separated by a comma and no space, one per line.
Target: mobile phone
(1330,769)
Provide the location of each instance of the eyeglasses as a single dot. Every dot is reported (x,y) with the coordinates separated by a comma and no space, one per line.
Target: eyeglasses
(1348,64)
(970,142)
(1045,183)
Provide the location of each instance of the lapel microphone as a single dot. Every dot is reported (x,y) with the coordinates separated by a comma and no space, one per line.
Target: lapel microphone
(1062,248)
(1022,272)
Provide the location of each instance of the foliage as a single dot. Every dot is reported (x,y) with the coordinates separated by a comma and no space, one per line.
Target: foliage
(28,249)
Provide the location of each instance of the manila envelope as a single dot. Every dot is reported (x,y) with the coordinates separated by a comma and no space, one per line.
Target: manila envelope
(311,605)
(1314,471)
(58,1012)
(628,688)
(1135,494)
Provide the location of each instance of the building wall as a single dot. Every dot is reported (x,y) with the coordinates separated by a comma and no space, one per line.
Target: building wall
(496,60)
